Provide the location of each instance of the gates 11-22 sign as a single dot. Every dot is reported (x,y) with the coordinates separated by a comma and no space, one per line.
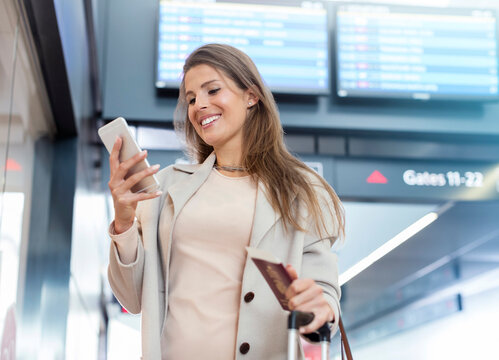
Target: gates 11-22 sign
(469,179)
(416,180)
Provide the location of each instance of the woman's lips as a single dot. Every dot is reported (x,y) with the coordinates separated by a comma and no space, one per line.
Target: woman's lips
(209,120)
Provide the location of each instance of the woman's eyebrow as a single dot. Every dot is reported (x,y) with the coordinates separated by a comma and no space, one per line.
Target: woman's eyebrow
(202,86)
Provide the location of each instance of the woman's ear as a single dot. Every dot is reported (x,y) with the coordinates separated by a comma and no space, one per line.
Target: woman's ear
(251,98)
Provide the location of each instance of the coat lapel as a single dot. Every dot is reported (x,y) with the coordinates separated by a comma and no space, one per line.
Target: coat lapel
(265,216)
(181,192)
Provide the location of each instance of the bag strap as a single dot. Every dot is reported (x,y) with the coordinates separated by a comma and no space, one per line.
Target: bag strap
(345,346)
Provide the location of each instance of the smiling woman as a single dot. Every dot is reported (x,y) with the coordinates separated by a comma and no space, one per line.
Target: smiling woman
(180,258)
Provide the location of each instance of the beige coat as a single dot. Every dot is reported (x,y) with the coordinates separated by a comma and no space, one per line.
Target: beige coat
(142,285)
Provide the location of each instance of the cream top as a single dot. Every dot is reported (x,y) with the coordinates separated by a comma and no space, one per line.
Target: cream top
(207,261)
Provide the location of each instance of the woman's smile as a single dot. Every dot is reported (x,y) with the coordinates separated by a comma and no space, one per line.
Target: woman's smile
(208,120)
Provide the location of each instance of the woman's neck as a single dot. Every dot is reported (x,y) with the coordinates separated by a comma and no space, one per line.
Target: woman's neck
(231,160)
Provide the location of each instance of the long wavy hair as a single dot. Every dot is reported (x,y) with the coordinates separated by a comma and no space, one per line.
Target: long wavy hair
(288,181)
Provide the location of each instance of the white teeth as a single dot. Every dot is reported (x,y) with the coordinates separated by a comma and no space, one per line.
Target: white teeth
(209,120)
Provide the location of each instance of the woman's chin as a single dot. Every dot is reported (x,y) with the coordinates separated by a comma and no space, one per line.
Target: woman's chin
(210,141)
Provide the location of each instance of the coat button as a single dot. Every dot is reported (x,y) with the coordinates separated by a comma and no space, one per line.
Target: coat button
(244,348)
(249,296)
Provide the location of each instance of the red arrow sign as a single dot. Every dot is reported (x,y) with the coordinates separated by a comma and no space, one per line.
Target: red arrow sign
(12,165)
(377,178)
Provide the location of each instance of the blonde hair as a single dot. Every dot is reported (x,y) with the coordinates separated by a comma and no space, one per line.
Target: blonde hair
(264,153)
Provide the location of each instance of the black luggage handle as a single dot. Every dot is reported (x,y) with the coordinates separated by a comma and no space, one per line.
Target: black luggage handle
(297,319)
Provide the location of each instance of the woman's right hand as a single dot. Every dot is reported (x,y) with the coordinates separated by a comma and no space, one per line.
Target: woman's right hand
(125,201)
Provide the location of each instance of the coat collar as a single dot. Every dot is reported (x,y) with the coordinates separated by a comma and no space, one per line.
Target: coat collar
(190,168)
(182,191)
(265,216)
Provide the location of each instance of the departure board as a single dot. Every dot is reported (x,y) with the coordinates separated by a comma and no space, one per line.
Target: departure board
(418,53)
(287,40)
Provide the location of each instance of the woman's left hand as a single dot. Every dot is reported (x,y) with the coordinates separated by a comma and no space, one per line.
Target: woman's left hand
(305,295)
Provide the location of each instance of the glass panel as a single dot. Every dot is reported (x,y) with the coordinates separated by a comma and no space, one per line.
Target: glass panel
(11,203)
(23,117)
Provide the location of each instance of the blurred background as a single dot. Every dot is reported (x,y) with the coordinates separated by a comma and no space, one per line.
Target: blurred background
(394,103)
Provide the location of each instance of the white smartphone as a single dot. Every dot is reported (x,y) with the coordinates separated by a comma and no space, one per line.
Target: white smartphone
(129,147)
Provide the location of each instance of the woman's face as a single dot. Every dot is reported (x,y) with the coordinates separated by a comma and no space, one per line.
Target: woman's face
(217,108)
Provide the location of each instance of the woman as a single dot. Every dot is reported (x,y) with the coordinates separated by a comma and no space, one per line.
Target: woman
(179,258)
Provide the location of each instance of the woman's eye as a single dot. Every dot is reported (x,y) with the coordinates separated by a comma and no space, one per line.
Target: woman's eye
(213,92)
(191,101)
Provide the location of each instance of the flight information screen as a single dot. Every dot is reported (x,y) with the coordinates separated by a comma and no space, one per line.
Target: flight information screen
(287,40)
(404,52)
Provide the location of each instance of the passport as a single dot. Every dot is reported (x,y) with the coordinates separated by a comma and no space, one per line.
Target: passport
(274,273)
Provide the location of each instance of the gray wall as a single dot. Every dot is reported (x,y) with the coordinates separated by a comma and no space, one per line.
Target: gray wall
(73,32)
(128,38)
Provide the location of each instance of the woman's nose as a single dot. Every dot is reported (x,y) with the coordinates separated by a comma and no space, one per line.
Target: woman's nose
(201,103)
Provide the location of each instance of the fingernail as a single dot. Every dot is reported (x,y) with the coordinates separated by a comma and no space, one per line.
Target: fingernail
(159,192)
(155,166)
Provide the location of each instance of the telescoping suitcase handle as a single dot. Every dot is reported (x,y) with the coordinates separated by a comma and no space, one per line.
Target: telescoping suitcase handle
(297,319)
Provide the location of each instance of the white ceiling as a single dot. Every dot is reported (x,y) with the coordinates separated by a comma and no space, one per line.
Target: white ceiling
(370,225)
